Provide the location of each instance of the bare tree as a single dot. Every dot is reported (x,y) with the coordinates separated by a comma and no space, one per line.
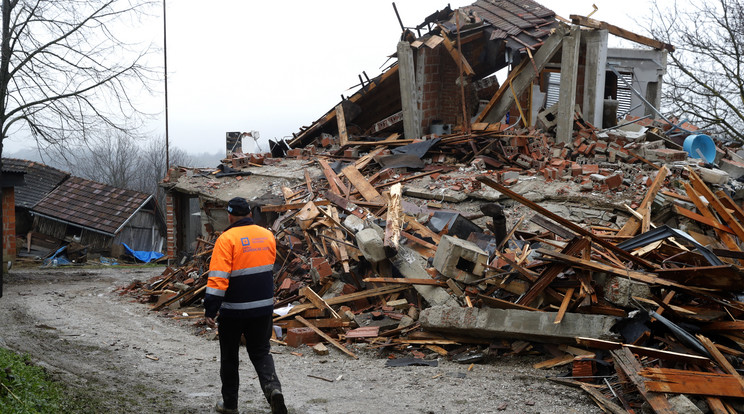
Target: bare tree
(112,159)
(705,79)
(65,70)
(153,168)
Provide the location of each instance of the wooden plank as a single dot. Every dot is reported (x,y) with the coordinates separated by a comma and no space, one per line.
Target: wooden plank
(522,76)
(337,300)
(725,277)
(554,362)
(457,56)
(292,206)
(617,31)
(605,404)
(720,359)
(360,183)
(418,241)
(571,226)
(405,281)
(726,238)
(343,137)
(644,351)
(633,224)
(326,337)
(421,229)
(724,326)
(715,202)
(564,305)
(575,246)
(344,254)
(393,221)
(308,182)
(675,195)
(727,202)
(504,304)
(701,219)
(334,183)
(320,323)
(318,301)
(680,381)
(627,362)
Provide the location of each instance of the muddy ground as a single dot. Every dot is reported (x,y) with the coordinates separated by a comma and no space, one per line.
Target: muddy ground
(121,358)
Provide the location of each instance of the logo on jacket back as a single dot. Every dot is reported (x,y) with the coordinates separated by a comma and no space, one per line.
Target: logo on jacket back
(245,241)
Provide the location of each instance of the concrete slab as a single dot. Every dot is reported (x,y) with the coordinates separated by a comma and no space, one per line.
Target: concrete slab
(516,324)
(411,265)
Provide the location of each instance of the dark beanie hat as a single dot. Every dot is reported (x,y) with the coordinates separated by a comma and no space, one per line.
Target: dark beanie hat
(238,206)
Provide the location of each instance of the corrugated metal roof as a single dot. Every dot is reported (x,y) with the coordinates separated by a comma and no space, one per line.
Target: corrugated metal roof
(91,204)
(519,18)
(40,180)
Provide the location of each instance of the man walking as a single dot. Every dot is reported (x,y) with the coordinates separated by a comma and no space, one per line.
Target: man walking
(241,288)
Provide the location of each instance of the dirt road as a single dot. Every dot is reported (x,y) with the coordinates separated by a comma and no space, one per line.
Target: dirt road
(119,356)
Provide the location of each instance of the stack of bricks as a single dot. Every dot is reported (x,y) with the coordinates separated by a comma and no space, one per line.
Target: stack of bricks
(170,224)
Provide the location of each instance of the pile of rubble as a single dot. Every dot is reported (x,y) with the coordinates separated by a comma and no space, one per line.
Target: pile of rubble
(615,251)
(637,308)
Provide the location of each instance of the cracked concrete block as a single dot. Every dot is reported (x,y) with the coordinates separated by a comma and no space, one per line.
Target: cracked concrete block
(371,245)
(715,177)
(516,324)
(353,223)
(460,259)
(683,405)
(439,194)
(734,168)
(413,266)
(618,290)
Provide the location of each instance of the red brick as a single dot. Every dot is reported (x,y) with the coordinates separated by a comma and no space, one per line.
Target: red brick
(321,265)
(294,152)
(576,170)
(614,181)
(590,169)
(298,336)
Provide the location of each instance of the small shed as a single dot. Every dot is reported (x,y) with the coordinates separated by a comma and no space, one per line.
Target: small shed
(102,217)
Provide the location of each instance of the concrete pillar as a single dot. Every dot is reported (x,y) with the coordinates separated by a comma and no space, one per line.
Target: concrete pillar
(170,224)
(408,95)
(653,89)
(567,97)
(594,76)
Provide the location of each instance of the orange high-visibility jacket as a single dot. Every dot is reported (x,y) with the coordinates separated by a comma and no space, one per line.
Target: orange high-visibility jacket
(241,281)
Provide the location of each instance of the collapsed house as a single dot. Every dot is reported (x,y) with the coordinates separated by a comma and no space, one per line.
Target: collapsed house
(100,217)
(436,211)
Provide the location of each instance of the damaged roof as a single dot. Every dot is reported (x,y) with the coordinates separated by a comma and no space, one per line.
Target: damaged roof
(514,18)
(40,180)
(517,25)
(91,205)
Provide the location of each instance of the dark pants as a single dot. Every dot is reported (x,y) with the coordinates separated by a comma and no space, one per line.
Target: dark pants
(257,332)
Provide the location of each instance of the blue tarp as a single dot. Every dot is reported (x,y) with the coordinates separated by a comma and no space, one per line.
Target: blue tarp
(143,256)
(61,259)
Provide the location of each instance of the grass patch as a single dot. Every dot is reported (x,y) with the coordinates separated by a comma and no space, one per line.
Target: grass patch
(25,388)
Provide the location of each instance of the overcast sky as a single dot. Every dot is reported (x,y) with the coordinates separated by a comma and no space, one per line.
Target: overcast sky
(272,67)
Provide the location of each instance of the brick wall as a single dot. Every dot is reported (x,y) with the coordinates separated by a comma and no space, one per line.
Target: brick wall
(170,224)
(441,94)
(432,80)
(9,239)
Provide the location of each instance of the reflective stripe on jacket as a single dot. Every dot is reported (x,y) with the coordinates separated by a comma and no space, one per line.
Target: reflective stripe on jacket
(241,279)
